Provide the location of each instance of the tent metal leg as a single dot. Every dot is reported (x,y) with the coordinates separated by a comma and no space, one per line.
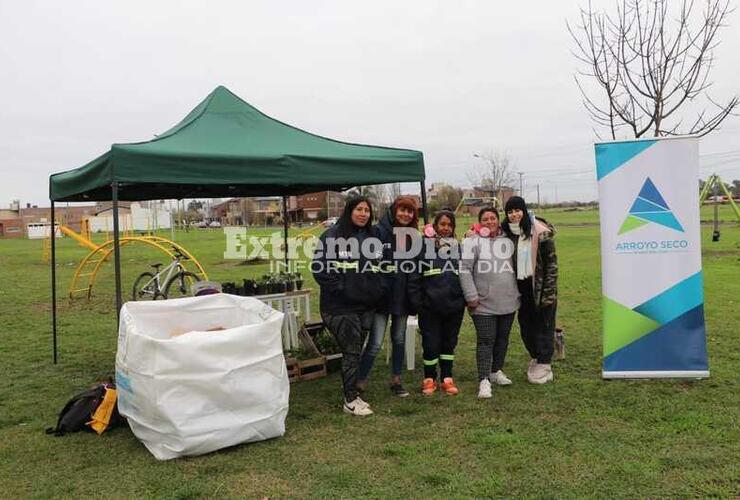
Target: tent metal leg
(285,230)
(116,250)
(53,282)
(424,202)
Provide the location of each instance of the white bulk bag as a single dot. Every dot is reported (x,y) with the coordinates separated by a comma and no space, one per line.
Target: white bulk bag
(196,392)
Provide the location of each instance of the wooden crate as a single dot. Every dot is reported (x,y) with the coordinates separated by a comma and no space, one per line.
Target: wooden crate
(305,369)
(294,371)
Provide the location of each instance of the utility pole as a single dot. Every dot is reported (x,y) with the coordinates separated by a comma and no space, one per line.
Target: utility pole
(715,233)
(521,185)
(538,197)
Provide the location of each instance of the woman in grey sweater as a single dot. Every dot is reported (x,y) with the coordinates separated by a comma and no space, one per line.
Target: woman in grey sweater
(489,285)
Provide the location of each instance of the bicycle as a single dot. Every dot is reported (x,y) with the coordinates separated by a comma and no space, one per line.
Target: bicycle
(177,281)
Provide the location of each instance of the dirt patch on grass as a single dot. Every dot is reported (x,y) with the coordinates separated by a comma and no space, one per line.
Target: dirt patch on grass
(722,253)
(258,485)
(41,307)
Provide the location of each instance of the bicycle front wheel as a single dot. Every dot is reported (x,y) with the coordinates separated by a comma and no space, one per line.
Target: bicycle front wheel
(145,288)
(180,284)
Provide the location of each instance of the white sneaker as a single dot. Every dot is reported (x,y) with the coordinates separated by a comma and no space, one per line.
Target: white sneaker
(499,378)
(357,407)
(484,389)
(540,374)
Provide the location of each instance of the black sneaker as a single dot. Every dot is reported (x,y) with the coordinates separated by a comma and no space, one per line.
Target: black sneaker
(398,390)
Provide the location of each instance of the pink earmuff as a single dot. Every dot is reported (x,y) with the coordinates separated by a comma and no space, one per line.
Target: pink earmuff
(481,230)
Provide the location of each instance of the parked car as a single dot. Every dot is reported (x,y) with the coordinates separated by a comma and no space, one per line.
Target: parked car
(330,221)
(214,223)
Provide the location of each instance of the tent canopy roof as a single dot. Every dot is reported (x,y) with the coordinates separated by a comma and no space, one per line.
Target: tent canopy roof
(225,147)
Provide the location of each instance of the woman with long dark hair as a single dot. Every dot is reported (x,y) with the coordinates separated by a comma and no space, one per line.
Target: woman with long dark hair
(536,266)
(397,304)
(350,289)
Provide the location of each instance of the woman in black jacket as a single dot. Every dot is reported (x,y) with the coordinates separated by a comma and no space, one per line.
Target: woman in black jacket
(350,289)
(396,303)
(536,265)
(442,304)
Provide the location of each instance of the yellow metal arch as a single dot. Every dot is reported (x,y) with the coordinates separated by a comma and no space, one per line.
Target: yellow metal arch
(93,261)
(309,232)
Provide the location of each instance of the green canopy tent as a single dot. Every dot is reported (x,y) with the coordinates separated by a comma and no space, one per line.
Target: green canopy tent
(224,148)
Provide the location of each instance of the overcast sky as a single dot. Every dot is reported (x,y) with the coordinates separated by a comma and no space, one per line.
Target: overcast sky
(451,79)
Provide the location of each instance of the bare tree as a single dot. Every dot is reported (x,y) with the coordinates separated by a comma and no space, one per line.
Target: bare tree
(495,171)
(447,197)
(648,65)
(371,194)
(386,193)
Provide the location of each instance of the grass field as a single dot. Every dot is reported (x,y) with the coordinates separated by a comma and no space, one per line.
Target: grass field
(577,437)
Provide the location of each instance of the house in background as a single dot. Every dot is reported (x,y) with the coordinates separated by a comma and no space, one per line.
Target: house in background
(132,217)
(232,212)
(11,224)
(315,207)
(11,227)
(267,210)
(481,196)
(434,189)
(34,222)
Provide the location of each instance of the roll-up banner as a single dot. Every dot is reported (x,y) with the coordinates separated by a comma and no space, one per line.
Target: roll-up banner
(652,286)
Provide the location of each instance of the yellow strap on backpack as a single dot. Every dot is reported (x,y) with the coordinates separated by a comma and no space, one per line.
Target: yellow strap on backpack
(101,418)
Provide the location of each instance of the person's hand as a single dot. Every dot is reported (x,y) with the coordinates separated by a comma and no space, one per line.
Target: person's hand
(473,304)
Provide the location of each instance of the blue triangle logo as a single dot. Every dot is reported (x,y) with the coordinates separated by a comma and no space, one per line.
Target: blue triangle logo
(614,155)
(649,206)
(650,193)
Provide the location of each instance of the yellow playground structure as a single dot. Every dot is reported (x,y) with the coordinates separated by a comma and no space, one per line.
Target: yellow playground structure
(311,230)
(87,271)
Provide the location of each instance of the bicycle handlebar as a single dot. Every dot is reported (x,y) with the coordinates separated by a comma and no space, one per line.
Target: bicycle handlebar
(179,255)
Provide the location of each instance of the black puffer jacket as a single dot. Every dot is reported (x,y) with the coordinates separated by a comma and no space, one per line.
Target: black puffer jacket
(437,288)
(350,283)
(396,273)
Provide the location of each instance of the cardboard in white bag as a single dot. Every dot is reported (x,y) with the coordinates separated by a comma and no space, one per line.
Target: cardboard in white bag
(188,391)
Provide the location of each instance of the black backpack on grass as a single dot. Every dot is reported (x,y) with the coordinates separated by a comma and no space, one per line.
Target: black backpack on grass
(94,410)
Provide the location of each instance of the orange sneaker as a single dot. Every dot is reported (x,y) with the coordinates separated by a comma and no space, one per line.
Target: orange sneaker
(428,386)
(449,387)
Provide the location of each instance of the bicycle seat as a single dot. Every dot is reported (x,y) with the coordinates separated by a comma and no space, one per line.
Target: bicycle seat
(156,266)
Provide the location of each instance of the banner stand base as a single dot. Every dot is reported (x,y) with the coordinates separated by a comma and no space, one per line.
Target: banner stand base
(656,374)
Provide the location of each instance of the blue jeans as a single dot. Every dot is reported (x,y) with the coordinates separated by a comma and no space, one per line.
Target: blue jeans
(375,341)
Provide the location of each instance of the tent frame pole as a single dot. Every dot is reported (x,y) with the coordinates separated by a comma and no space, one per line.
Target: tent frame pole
(285,230)
(116,249)
(53,282)
(424,213)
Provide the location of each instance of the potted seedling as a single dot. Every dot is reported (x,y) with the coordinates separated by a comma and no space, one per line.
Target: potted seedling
(263,286)
(250,287)
(280,283)
(229,287)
